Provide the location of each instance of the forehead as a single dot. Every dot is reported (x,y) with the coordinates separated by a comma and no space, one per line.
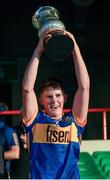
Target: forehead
(50,90)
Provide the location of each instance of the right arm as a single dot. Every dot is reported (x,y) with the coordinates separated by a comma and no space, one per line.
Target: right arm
(30,104)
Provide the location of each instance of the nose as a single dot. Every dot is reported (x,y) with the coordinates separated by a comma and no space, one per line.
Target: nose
(54,99)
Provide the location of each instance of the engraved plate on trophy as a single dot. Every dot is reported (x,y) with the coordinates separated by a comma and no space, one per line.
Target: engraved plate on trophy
(59,46)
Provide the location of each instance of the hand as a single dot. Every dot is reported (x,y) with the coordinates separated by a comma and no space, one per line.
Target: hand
(42,40)
(73,38)
(23,138)
(70,35)
(49,33)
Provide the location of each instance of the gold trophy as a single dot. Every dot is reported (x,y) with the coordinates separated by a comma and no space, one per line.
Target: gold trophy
(59,47)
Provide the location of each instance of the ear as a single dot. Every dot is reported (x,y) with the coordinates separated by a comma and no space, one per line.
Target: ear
(65,97)
(40,100)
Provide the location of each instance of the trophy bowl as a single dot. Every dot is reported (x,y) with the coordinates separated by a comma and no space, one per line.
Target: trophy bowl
(59,46)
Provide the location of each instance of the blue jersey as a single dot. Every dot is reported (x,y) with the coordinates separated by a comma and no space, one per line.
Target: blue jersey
(54,147)
(8,138)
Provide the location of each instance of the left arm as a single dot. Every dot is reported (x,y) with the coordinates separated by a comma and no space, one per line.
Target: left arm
(81,99)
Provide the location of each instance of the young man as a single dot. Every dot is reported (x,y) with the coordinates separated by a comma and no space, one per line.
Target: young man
(54,136)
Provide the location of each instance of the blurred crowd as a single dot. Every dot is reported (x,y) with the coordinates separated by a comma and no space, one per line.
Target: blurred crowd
(14,158)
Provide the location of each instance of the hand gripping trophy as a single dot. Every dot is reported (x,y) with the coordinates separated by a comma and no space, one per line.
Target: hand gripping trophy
(59,46)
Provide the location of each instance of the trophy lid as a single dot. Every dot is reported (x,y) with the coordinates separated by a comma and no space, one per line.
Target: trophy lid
(44,13)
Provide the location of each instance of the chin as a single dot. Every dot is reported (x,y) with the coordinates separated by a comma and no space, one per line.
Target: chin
(56,114)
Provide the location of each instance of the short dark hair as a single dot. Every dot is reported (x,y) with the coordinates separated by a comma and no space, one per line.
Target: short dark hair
(53,82)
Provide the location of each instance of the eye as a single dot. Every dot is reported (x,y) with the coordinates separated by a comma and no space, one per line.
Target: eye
(49,96)
(58,95)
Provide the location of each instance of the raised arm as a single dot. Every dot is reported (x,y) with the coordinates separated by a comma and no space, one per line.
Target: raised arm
(81,99)
(30,105)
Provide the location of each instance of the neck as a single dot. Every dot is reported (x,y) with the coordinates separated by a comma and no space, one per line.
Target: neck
(57,118)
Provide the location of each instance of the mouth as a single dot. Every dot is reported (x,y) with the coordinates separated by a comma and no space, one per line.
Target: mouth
(54,107)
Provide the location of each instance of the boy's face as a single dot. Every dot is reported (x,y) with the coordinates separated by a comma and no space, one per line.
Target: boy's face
(53,102)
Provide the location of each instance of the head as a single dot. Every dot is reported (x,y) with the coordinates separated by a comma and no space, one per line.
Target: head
(52,97)
(3,107)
